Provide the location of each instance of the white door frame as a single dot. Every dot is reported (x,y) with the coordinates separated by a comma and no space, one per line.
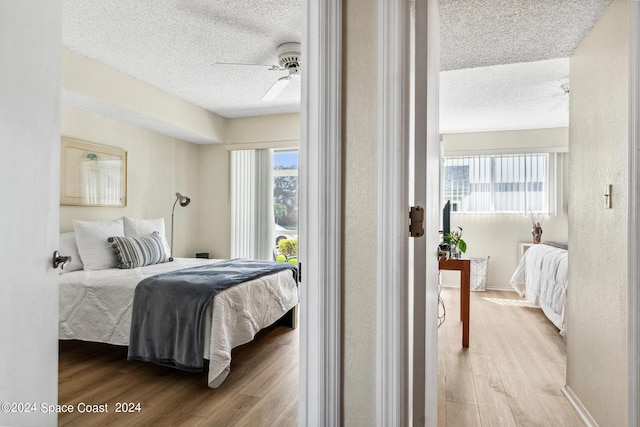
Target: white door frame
(634,215)
(426,191)
(320,383)
(406,375)
(392,306)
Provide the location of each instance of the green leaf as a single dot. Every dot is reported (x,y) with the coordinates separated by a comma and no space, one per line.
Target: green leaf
(288,247)
(462,245)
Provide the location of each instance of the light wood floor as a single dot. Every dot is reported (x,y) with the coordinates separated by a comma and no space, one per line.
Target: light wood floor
(261,390)
(511,375)
(513,372)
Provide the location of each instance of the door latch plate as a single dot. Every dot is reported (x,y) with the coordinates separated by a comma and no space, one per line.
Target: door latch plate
(416,221)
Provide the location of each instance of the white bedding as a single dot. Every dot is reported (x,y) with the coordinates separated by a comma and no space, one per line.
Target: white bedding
(541,277)
(96,306)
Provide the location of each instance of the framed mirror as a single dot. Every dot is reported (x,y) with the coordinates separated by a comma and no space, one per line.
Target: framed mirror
(92,174)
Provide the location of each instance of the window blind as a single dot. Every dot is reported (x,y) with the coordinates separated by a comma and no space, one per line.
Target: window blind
(251,204)
(518,183)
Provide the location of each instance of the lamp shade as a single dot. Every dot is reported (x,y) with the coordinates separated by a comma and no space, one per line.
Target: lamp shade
(184,200)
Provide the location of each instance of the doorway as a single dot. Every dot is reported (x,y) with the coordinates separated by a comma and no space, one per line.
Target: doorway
(389,44)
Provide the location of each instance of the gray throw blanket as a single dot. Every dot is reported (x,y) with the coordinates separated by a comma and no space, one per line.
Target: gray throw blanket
(167,324)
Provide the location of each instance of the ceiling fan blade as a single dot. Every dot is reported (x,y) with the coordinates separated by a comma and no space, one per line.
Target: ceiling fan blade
(276,89)
(546,97)
(270,67)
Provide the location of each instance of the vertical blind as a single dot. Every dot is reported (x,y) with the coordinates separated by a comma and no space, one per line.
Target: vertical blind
(519,183)
(251,204)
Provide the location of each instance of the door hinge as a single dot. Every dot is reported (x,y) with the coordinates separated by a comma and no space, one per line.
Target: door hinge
(416,220)
(299,272)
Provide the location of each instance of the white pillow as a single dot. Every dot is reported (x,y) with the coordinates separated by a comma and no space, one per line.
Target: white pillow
(143,227)
(95,250)
(69,247)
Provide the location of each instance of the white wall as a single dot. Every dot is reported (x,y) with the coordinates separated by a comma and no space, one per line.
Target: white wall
(532,139)
(359,207)
(118,90)
(158,167)
(498,235)
(597,293)
(30,37)
(270,131)
(214,208)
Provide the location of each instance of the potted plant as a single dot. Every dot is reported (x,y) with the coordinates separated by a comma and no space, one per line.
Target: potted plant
(536,227)
(455,242)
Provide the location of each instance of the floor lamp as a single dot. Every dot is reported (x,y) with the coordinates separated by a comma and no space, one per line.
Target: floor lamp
(184,201)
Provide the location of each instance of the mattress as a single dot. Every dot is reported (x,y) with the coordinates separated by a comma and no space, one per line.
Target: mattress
(96,306)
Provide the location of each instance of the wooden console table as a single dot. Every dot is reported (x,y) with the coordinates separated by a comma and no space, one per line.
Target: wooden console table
(464,267)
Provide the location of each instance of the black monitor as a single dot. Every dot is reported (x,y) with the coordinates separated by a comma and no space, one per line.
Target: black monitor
(446,218)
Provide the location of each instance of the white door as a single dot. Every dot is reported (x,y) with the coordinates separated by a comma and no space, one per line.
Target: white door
(425,192)
(30,42)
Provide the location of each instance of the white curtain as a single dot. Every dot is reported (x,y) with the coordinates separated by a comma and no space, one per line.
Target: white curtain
(557,184)
(252,204)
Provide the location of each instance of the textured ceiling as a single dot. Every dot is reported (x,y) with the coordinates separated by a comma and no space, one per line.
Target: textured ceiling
(505,97)
(478,33)
(505,62)
(177,45)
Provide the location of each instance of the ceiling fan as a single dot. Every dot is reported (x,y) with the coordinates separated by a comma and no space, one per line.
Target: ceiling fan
(289,59)
(561,90)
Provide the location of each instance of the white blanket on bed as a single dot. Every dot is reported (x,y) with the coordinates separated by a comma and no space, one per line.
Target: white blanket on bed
(96,306)
(541,277)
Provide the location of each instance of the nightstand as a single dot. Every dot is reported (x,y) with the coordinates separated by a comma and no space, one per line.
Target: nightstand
(522,248)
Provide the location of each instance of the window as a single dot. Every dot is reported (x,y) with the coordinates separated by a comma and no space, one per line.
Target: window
(285,204)
(518,183)
(285,188)
(264,202)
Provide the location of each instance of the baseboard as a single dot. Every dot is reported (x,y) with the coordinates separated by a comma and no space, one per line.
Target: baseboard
(579,407)
(498,288)
(489,288)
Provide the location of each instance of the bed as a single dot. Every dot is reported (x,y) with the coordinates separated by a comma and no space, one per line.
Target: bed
(541,277)
(97,304)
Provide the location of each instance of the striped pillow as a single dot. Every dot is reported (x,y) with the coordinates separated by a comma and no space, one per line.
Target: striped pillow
(132,252)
